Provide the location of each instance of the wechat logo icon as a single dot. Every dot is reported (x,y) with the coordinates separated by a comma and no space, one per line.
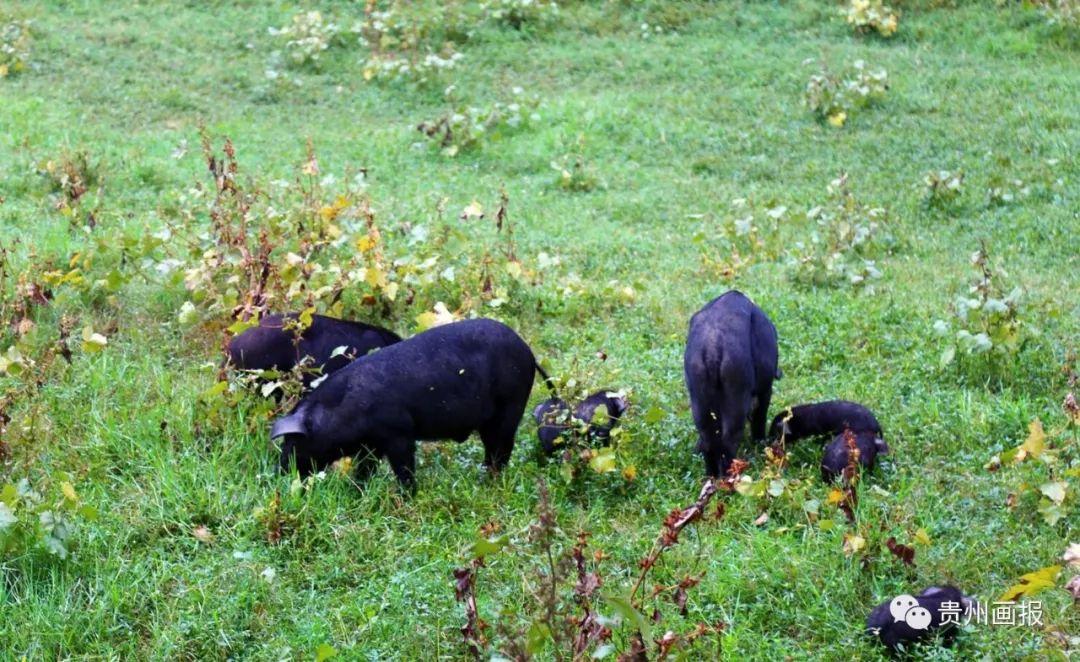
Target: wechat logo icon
(906,609)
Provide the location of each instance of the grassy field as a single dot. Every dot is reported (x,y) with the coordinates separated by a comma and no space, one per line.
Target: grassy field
(192,557)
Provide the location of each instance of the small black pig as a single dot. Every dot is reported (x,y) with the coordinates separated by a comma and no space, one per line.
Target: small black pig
(444,383)
(552,420)
(823,418)
(838,453)
(730,363)
(554,417)
(272,344)
(906,619)
(615,406)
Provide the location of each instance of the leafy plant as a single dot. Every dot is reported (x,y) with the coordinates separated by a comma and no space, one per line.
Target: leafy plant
(71,176)
(563,610)
(943,187)
(15,42)
(987,320)
(306,37)
(834,98)
(466,128)
(1047,486)
(521,13)
(872,16)
(845,233)
(31,520)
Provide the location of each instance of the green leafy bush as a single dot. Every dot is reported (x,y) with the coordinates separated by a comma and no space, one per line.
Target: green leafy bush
(845,233)
(943,187)
(15,41)
(32,520)
(987,321)
(872,16)
(834,98)
(306,37)
(466,128)
(521,13)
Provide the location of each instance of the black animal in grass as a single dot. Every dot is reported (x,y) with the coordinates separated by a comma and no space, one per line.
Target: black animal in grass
(273,344)
(554,417)
(823,418)
(907,619)
(838,453)
(444,383)
(730,363)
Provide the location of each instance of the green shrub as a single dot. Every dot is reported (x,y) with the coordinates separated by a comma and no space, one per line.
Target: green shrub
(834,98)
(987,321)
(32,520)
(872,16)
(15,41)
(465,127)
(943,187)
(845,234)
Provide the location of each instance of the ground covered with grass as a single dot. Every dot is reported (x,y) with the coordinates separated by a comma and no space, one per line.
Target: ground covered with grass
(655,156)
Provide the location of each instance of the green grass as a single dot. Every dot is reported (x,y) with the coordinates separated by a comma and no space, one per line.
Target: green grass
(674,126)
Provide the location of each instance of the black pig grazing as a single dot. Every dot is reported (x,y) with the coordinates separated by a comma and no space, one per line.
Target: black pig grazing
(823,418)
(730,364)
(552,419)
(906,619)
(613,403)
(838,453)
(271,345)
(444,383)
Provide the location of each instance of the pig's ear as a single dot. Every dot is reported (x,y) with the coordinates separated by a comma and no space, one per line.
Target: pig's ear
(621,405)
(882,447)
(291,424)
(538,413)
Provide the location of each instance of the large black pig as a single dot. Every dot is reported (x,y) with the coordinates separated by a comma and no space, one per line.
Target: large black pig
(730,363)
(273,345)
(444,383)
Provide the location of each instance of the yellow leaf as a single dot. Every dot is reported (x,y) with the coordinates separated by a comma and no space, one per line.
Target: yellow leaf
(835,497)
(69,492)
(629,472)
(604,461)
(1055,491)
(1035,442)
(838,118)
(1032,583)
(853,543)
(922,537)
(93,342)
(474,210)
(365,244)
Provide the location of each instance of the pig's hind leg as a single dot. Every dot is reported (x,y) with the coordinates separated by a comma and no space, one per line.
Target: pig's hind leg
(401,454)
(497,435)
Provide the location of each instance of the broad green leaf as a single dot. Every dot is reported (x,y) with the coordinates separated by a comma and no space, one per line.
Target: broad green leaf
(537,635)
(485,546)
(626,610)
(324,652)
(239,326)
(654,415)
